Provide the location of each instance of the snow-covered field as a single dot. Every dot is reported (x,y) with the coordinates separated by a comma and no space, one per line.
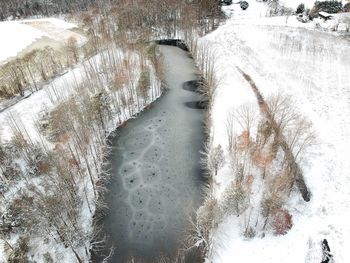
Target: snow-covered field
(312,67)
(17,35)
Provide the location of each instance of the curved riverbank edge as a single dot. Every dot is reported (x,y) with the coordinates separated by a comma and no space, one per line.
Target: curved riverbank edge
(189,86)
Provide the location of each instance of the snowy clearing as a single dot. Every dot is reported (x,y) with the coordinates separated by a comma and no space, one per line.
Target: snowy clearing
(17,35)
(312,67)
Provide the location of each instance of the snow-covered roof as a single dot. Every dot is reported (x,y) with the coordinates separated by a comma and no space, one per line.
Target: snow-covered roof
(324,14)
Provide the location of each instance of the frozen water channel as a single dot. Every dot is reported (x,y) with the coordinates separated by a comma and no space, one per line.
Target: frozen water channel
(156,173)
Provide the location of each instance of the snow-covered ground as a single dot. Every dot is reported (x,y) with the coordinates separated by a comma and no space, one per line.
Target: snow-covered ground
(30,110)
(17,35)
(283,56)
(312,67)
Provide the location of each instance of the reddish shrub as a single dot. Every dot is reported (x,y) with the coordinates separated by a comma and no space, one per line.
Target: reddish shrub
(43,167)
(63,138)
(58,146)
(262,158)
(243,140)
(73,162)
(281,221)
(120,79)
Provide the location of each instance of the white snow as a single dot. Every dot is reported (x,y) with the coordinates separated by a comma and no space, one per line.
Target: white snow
(313,68)
(17,35)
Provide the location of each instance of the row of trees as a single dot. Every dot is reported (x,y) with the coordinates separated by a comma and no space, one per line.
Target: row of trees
(21,9)
(276,7)
(149,20)
(131,12)
(263,155)
(263,171)
(262,179)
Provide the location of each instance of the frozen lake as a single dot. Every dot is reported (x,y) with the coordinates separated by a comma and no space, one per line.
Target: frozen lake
(156,178)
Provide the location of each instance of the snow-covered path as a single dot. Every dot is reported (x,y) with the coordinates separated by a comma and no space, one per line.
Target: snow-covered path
(313,67)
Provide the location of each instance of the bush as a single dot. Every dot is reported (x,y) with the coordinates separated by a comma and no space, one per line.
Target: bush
(226,2)
(208,215)
(250,232)
(19,252)
(47,258)
(12,172)
(281,221)
(271,202)
(331,7)
(144,83)
(278,9)
(236,200)
(216,159)
(15,217)
(346,7)
(300,8)
(37,163)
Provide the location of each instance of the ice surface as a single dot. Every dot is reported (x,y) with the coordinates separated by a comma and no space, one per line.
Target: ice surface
(156,163)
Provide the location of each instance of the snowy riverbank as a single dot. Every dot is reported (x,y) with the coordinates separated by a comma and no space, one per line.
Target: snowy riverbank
(33,119)
(311,68)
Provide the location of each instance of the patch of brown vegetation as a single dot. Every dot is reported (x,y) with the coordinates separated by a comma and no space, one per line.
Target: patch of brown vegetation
(281,221)
(120,79)
(73,162)
(249,181)
(243,141)
(43,167)
(262,158)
